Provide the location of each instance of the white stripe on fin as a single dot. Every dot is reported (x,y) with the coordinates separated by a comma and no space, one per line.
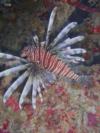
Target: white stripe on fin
(13,70)
(34,93)
(67,42)
(50,24)
(25,91)
(69,51)
(63,33)
(9,56)
(14,86)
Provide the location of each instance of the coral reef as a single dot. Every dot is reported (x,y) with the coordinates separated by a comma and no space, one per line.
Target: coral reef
(67,108)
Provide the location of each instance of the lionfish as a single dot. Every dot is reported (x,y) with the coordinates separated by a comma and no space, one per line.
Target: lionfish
(42,62)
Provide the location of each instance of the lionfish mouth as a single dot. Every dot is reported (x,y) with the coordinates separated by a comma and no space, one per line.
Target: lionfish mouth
(23,55)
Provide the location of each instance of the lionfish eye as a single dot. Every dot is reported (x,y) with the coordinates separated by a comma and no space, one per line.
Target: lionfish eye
(26,49)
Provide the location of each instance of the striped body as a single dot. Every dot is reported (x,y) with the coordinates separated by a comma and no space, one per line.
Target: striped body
(48,61)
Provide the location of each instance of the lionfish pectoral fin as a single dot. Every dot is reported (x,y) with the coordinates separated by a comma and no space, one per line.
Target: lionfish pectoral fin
(15,85)
(25,91)
(9,56)
(34,93)
(13,70)
(39,89)
(42,83)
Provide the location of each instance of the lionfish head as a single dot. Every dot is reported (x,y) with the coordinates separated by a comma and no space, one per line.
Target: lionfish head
(26,51)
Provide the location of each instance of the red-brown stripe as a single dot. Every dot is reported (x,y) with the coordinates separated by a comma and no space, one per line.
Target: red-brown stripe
(70,74)
(55,67)
(75,76)
(42,53)
(55,61)
(36,55)
(39,54)
(60,72)
(65,71)
(62,65)
(49,60)
(56,70)
(46,60)
(32,56)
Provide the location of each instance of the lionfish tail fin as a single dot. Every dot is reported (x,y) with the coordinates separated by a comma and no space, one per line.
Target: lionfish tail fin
(86,81)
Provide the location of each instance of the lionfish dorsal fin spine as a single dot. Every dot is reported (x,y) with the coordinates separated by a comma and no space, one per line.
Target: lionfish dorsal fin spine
(63,33)
(50,24)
